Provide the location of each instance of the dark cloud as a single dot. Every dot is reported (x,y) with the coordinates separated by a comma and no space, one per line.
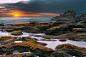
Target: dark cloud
(49,6)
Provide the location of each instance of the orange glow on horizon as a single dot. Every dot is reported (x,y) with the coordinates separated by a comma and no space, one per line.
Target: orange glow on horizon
(24,14)
(2,7)
(49,14)
(16,14)
(30,15)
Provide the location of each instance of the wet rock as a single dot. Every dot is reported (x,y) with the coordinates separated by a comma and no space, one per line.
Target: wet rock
(47,40)
(16,33)
(1,25)
(9,30)
(60,54)
(32,31)
(1,29)
(20,55)
(44,44)
(72,50)
(62,40)
(35,39)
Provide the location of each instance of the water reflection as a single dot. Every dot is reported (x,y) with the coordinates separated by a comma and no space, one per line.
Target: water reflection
(53,44)
(50,44)
(15,52)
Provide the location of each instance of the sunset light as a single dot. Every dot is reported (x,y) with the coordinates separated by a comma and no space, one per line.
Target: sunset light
(2,7)
(16,14)
(21,14)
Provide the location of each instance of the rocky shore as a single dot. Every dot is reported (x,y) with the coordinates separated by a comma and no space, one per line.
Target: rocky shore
(61,31)
(52,30)
(65,27)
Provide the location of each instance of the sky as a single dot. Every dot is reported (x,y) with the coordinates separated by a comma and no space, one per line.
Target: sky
(11,1)
(41,7)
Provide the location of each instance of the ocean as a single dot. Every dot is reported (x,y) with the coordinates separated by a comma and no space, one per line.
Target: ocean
(24,19)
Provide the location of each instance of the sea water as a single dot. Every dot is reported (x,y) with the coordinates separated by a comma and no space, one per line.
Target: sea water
(23,19)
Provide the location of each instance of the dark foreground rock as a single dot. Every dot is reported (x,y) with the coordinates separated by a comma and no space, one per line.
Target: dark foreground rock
(16,33)
(20,55)
(60,54)
(72,50)
(62,40)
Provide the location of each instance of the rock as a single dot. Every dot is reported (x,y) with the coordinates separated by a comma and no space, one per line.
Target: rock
(26,54)
(1,25)
(72,50)
(1,29)
(60,54)
(48,40)
(35,39)
(32,31)
(9,30)
(83,15)
(16,33)
(44,44)
(62,40)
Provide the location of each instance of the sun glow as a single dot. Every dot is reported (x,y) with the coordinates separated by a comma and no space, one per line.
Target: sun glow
(21,14)
(2,7)
(16,14)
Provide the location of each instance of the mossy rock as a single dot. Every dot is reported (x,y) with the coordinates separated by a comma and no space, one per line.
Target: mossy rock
(4,38)
(9,30)
(72,49)
(59,54)
(20,55)
(16,33)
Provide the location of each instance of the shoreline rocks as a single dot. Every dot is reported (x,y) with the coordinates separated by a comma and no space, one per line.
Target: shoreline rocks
(20,55)
(16,33)
(56,30)
(9,30)
(47,40)
(62,40)
(72,50)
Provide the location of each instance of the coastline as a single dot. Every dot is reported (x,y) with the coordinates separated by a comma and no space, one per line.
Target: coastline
(47,34)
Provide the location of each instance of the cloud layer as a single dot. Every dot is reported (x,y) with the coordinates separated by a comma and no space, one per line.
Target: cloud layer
(47,7)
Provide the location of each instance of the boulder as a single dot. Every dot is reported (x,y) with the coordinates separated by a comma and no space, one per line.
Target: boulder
(16,33)
(72,50)
(60,54)
(47,40)
(9,30)
(62,40)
